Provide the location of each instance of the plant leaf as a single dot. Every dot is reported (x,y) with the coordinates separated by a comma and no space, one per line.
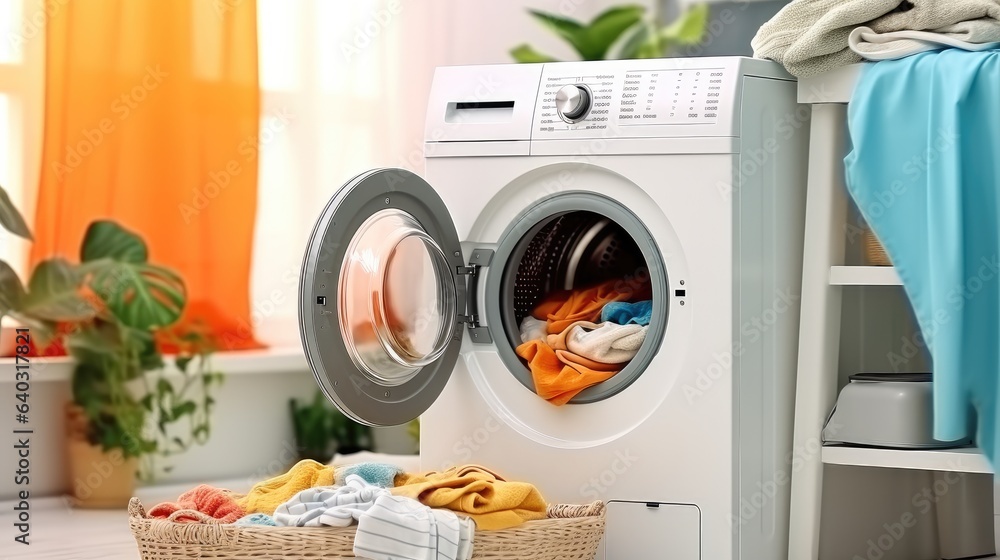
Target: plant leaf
(183,362)
(641,43)
(108,240)
(11,291)
(10,218)
(43,332)
(54,293)
(607,28)
(525,53)
(142,296)
(95,344)
(187,407)
(163,387)
(688,28)
(570,30)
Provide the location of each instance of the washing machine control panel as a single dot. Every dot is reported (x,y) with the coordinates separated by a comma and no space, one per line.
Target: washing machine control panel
(636,98)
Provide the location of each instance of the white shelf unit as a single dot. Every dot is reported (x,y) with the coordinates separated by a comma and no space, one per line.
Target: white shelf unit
(824,279)
(967,459)
(864,276)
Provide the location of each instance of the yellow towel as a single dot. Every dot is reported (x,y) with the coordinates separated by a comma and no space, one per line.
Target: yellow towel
(266,496)
(492,502)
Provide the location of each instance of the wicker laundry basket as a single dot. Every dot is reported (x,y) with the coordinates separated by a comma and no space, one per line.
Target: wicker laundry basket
(569,533)
(875,254)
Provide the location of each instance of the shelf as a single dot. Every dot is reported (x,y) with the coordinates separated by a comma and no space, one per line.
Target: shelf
(835,86)
(264,361)
(864,276)
(966,459)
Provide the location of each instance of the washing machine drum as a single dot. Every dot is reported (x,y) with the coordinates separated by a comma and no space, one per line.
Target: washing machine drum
(573,250)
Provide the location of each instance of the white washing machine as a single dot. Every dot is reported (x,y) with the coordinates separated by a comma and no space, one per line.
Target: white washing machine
(684,174)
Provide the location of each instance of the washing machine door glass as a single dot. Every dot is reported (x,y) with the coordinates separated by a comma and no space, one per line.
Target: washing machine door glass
(380,297)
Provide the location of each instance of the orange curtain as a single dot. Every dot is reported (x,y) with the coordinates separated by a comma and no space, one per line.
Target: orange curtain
(151,119)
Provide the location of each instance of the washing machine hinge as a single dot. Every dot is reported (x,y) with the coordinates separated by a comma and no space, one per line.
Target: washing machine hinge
(480,258)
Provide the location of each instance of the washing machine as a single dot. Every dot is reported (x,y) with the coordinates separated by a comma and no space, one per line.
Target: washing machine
(683,177)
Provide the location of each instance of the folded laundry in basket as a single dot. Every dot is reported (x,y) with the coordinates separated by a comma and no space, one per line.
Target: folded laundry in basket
(605,343)
(559,375)
(202,504)
(400,528)
(562,309)
(266,496)
(624,313)
(811,36)
(492,502)
(378,474)
(335,506)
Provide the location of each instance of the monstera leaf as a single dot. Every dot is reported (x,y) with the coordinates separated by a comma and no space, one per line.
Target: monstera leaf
(11,291)
(54,293)
(142,296)
(10,218)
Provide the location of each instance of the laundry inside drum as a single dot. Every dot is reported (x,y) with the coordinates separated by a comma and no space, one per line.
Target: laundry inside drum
(582,303)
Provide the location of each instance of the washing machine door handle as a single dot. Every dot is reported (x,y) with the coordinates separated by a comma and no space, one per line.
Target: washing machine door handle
(478,333)
(382,296)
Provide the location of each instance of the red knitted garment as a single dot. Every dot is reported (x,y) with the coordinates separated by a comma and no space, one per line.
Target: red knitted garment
(203,504)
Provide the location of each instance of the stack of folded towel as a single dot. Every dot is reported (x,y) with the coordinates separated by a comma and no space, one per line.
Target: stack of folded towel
(567,351)
(400,516)
(814,36)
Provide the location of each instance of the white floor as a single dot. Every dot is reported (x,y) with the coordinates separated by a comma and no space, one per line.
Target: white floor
(59,532)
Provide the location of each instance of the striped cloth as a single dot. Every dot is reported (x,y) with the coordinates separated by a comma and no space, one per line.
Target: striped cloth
(336,506)
(399,528)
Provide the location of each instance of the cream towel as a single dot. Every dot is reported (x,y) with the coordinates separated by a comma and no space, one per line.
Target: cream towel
(607,343)
(899,44)
(810,37)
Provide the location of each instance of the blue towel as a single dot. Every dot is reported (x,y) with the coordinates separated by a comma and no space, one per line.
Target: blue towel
(256,519)
(925,174)
(379,474)
(624,313)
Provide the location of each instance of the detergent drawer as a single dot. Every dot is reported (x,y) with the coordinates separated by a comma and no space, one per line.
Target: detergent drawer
(652,530)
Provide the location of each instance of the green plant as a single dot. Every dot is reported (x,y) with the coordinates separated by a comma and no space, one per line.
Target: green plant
(638,35)
(111,310)
(320,430)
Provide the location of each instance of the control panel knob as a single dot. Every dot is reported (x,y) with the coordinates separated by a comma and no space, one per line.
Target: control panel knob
(573,102)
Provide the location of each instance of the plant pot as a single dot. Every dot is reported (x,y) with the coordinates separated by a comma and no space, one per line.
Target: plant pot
(8,337)
(97,478)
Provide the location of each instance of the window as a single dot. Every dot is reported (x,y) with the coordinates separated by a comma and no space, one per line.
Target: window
(22,51)
(343,91)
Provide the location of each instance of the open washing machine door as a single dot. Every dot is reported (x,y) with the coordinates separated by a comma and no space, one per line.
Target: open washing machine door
(382,297)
